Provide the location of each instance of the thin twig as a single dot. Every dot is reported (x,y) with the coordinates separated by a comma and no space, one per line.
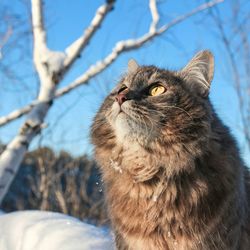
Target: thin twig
(5,39)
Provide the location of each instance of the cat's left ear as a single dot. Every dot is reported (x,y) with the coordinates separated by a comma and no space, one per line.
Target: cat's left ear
(132,66)
(198,73)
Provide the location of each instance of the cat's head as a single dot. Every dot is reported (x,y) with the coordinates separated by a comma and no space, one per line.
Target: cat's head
(154,105)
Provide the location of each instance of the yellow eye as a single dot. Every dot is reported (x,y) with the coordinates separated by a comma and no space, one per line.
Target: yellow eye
(156,90)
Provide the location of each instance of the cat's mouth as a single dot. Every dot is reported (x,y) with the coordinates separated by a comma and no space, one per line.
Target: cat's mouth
(120,110)
(129,125)
(117,112)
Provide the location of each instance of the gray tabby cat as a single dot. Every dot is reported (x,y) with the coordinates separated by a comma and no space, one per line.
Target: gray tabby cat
(172,172)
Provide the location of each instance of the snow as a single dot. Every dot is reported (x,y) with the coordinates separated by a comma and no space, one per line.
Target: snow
(37,230)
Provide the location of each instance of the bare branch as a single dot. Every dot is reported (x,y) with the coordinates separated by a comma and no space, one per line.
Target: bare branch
(179,19)
(238,85)
(16,114)
(131,44)
(38,26)
(41,53)
(74,50)
(5,39)
(154,14)
(37,23)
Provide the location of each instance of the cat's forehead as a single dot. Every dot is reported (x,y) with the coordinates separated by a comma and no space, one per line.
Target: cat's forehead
(145,76)
(142,76)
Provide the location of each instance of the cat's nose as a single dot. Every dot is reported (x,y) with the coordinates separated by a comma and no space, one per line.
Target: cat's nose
(121,98)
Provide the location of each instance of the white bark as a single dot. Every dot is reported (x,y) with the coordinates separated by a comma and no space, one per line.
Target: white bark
(154,14)
(12,156)
(51,67)
(16,114)
(74,50)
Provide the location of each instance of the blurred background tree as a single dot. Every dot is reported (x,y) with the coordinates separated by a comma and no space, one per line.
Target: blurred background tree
(233,34)
(58,182)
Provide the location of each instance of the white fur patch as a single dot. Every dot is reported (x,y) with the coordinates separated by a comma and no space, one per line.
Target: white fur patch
(122,127)
(119,121)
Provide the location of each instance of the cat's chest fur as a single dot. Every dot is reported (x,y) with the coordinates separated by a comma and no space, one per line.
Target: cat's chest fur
(142,203)
(134,162)
(156,212)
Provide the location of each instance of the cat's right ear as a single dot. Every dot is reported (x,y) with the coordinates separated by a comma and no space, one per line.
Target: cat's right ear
(198,73)
(132,66)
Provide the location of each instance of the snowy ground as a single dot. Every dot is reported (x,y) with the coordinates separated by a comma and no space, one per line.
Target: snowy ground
(37,230)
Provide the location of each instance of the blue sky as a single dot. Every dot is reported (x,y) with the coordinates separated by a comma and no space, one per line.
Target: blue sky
(70,118)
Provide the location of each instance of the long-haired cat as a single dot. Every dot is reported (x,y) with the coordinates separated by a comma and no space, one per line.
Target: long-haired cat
(172,171)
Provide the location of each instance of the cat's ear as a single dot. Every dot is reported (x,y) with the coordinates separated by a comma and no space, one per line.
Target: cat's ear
(198,73)
(132,66)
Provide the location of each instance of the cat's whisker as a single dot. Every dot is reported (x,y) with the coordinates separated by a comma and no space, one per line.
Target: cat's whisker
(179,108)
(143,115)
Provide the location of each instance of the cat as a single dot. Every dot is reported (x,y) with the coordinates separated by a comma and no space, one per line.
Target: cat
(172,171)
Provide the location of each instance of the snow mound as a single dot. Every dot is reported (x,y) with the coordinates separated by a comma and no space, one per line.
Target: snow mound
(37,230)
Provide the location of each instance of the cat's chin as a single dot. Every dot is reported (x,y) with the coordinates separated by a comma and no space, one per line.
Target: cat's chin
(127,129)
(122,128)
(128,132)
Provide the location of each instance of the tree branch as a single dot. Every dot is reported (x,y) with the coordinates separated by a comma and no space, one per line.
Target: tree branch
(238,85)
(5,39)
(74,50)
(39,33)
(130,44)
(16,114)
(155,16)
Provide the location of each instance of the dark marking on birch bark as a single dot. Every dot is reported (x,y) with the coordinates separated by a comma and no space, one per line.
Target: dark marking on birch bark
(10,171)
(50,102)
(25,144)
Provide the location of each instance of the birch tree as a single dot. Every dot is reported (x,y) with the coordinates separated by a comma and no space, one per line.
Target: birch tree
(51,67)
